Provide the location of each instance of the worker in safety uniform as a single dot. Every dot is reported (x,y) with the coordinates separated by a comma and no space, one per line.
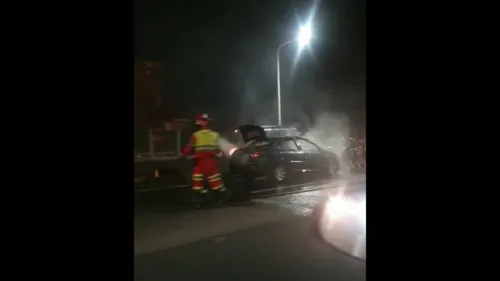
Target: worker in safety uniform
(205,144)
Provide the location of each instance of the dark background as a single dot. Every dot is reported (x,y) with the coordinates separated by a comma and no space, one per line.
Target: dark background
(220,56)
(422,58)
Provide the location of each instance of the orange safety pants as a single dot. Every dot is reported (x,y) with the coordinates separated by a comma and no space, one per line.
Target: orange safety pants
(206,167)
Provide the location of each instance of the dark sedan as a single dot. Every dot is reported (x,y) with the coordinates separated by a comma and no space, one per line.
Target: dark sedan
(280,159)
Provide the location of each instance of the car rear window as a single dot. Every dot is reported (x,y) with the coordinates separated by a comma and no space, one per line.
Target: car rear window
(275,133)
(274,145)
(307,146)
(288,144)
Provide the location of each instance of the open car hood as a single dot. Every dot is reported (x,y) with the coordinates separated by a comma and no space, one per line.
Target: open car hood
(252,133)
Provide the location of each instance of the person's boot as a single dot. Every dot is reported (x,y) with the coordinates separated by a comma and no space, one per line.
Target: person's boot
(200,198)
(220,196)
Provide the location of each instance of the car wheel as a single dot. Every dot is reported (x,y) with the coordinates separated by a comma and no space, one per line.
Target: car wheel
(280,174)
(279,177)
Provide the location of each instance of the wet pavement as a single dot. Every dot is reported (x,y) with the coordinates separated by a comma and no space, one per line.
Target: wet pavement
(303,203)
(271,239)
(284,250)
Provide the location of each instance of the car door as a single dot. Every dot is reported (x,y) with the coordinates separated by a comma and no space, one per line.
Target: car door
(314,160)
(273,156)
(291,157)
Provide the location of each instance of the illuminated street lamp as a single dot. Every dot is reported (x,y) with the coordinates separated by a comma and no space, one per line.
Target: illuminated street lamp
(303,38)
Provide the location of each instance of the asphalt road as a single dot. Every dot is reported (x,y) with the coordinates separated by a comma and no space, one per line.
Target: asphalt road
(272,239)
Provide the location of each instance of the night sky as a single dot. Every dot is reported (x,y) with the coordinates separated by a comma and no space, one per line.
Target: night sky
(220,55)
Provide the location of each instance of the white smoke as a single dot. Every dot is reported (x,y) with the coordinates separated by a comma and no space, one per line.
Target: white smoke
(331,132)
(226,147)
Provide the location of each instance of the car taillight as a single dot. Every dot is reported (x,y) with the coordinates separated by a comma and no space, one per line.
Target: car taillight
(256,154)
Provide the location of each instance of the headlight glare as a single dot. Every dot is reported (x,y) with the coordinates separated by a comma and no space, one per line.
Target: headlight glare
(338,207)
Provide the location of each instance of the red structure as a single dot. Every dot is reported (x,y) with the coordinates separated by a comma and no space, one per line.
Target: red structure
(155,120)
(148,82)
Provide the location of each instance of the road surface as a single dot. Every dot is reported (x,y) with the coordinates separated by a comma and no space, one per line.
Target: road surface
(272,239)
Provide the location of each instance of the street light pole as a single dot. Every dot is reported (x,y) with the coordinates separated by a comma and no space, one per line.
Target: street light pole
(303,39)
(278,78)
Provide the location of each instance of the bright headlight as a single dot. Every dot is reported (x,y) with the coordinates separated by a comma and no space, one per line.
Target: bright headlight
(361,212)
(339,207)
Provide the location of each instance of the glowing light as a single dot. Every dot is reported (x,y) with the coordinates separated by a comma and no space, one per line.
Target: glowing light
(338,207)
(361,211)
(305,35)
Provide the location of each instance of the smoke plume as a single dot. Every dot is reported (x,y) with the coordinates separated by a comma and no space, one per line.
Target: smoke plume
(226,147)
(331,132)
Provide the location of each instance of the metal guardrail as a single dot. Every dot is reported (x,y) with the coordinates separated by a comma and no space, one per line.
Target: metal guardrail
(165,156)
(147,154)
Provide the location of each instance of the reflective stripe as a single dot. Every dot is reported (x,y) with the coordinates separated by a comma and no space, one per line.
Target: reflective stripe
(212,180)
(214,176)
(197,177)
(217,187)
(197,188)
(205,145)
(205,148)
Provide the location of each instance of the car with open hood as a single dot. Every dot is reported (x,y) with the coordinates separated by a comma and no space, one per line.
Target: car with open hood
(279,159)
